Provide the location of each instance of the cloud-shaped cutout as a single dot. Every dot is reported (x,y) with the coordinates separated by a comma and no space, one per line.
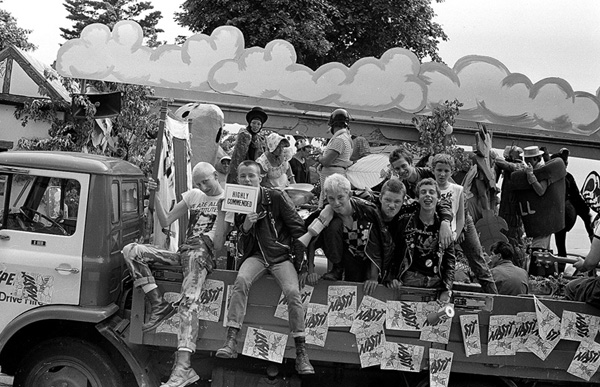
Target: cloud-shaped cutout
(119,56)
(490,92)
(397,80)
(372,84)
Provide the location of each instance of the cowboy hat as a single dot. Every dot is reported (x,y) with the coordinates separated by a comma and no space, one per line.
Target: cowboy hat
(257,112)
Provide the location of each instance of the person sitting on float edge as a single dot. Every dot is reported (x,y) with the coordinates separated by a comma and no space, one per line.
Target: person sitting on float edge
(356,241)
(510,279)
(423,262)
(196,256)
(250,142)
(587,289)
(268,241)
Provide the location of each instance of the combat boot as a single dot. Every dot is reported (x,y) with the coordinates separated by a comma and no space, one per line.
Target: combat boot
(229,350)
(160,310)
(183,374)
(303,366)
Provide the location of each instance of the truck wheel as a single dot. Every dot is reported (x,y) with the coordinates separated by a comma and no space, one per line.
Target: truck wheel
(67,362)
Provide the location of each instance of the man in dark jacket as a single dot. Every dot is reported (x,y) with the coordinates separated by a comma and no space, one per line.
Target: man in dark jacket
(268,243)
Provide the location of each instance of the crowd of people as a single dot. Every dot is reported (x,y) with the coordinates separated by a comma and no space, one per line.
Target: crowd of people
(409,232)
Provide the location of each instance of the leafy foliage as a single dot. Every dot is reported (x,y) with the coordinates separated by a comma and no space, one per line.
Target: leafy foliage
(323,31)
(435,134)
(128,135)
(11,33)
(109,12)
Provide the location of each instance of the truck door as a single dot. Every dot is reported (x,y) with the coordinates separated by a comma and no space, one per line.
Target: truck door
(41,237)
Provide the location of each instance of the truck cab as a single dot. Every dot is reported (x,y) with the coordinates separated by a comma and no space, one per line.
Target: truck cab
(64,218)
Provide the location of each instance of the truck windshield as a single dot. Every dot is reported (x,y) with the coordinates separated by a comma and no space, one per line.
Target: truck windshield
(41,204)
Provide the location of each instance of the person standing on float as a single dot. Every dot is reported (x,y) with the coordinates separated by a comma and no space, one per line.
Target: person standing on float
(336,157)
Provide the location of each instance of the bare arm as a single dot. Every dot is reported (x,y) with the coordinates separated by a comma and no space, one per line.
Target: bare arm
(328,157)
(165,217)
(592,259)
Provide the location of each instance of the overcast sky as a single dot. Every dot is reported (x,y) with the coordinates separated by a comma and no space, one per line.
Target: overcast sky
(538,38)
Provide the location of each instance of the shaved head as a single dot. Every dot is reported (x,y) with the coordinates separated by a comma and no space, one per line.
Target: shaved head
(204,176)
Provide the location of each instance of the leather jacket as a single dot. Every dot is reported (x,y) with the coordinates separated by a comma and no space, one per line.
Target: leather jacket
(378,246)
(401,264)
(276,232)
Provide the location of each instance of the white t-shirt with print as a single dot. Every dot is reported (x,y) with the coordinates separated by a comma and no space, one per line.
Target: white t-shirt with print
(453,194)
(203,214)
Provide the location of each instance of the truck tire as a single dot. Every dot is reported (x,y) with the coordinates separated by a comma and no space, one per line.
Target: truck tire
(67,362)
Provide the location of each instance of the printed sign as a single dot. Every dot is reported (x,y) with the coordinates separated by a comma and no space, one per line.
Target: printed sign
(371,313)
(586,360)
(578,326)
(439,331)
(316,324)
(240,198)
(403,316)
(211,300)
(265,345)
(342,305)
(542,347)
(547,320)
(469,325)
(370,346)
(170,325)
(23,287)
(440,364)
(402,357)
(526,326)
(501,335)
(282,306)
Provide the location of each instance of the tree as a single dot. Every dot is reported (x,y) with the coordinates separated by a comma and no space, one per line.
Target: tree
(128,134)
(323,31)
(10,33)
(85,12)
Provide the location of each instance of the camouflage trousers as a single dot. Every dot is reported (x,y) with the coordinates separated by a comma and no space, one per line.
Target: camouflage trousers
(196,262)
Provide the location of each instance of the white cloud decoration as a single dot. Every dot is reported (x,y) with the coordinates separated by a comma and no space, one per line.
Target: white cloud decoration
(220,63)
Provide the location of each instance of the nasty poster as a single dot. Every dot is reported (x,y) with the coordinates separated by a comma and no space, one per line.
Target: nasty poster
(25,287)
(370,346)
(501,333)
(542,347)
(370,314)
(282,306)
(437,331)
(316,325)
(578,326)
(586,360)
(265,345)
(440,364)
(526,326)
(403,315)
(402,357)
(342,305)
(469,325)
(170,325)
(547,320)
(211,300)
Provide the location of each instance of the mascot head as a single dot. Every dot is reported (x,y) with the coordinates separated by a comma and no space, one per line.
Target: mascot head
(206,128)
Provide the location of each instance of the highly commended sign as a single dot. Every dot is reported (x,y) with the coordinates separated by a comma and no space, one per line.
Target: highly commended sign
(240,198)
